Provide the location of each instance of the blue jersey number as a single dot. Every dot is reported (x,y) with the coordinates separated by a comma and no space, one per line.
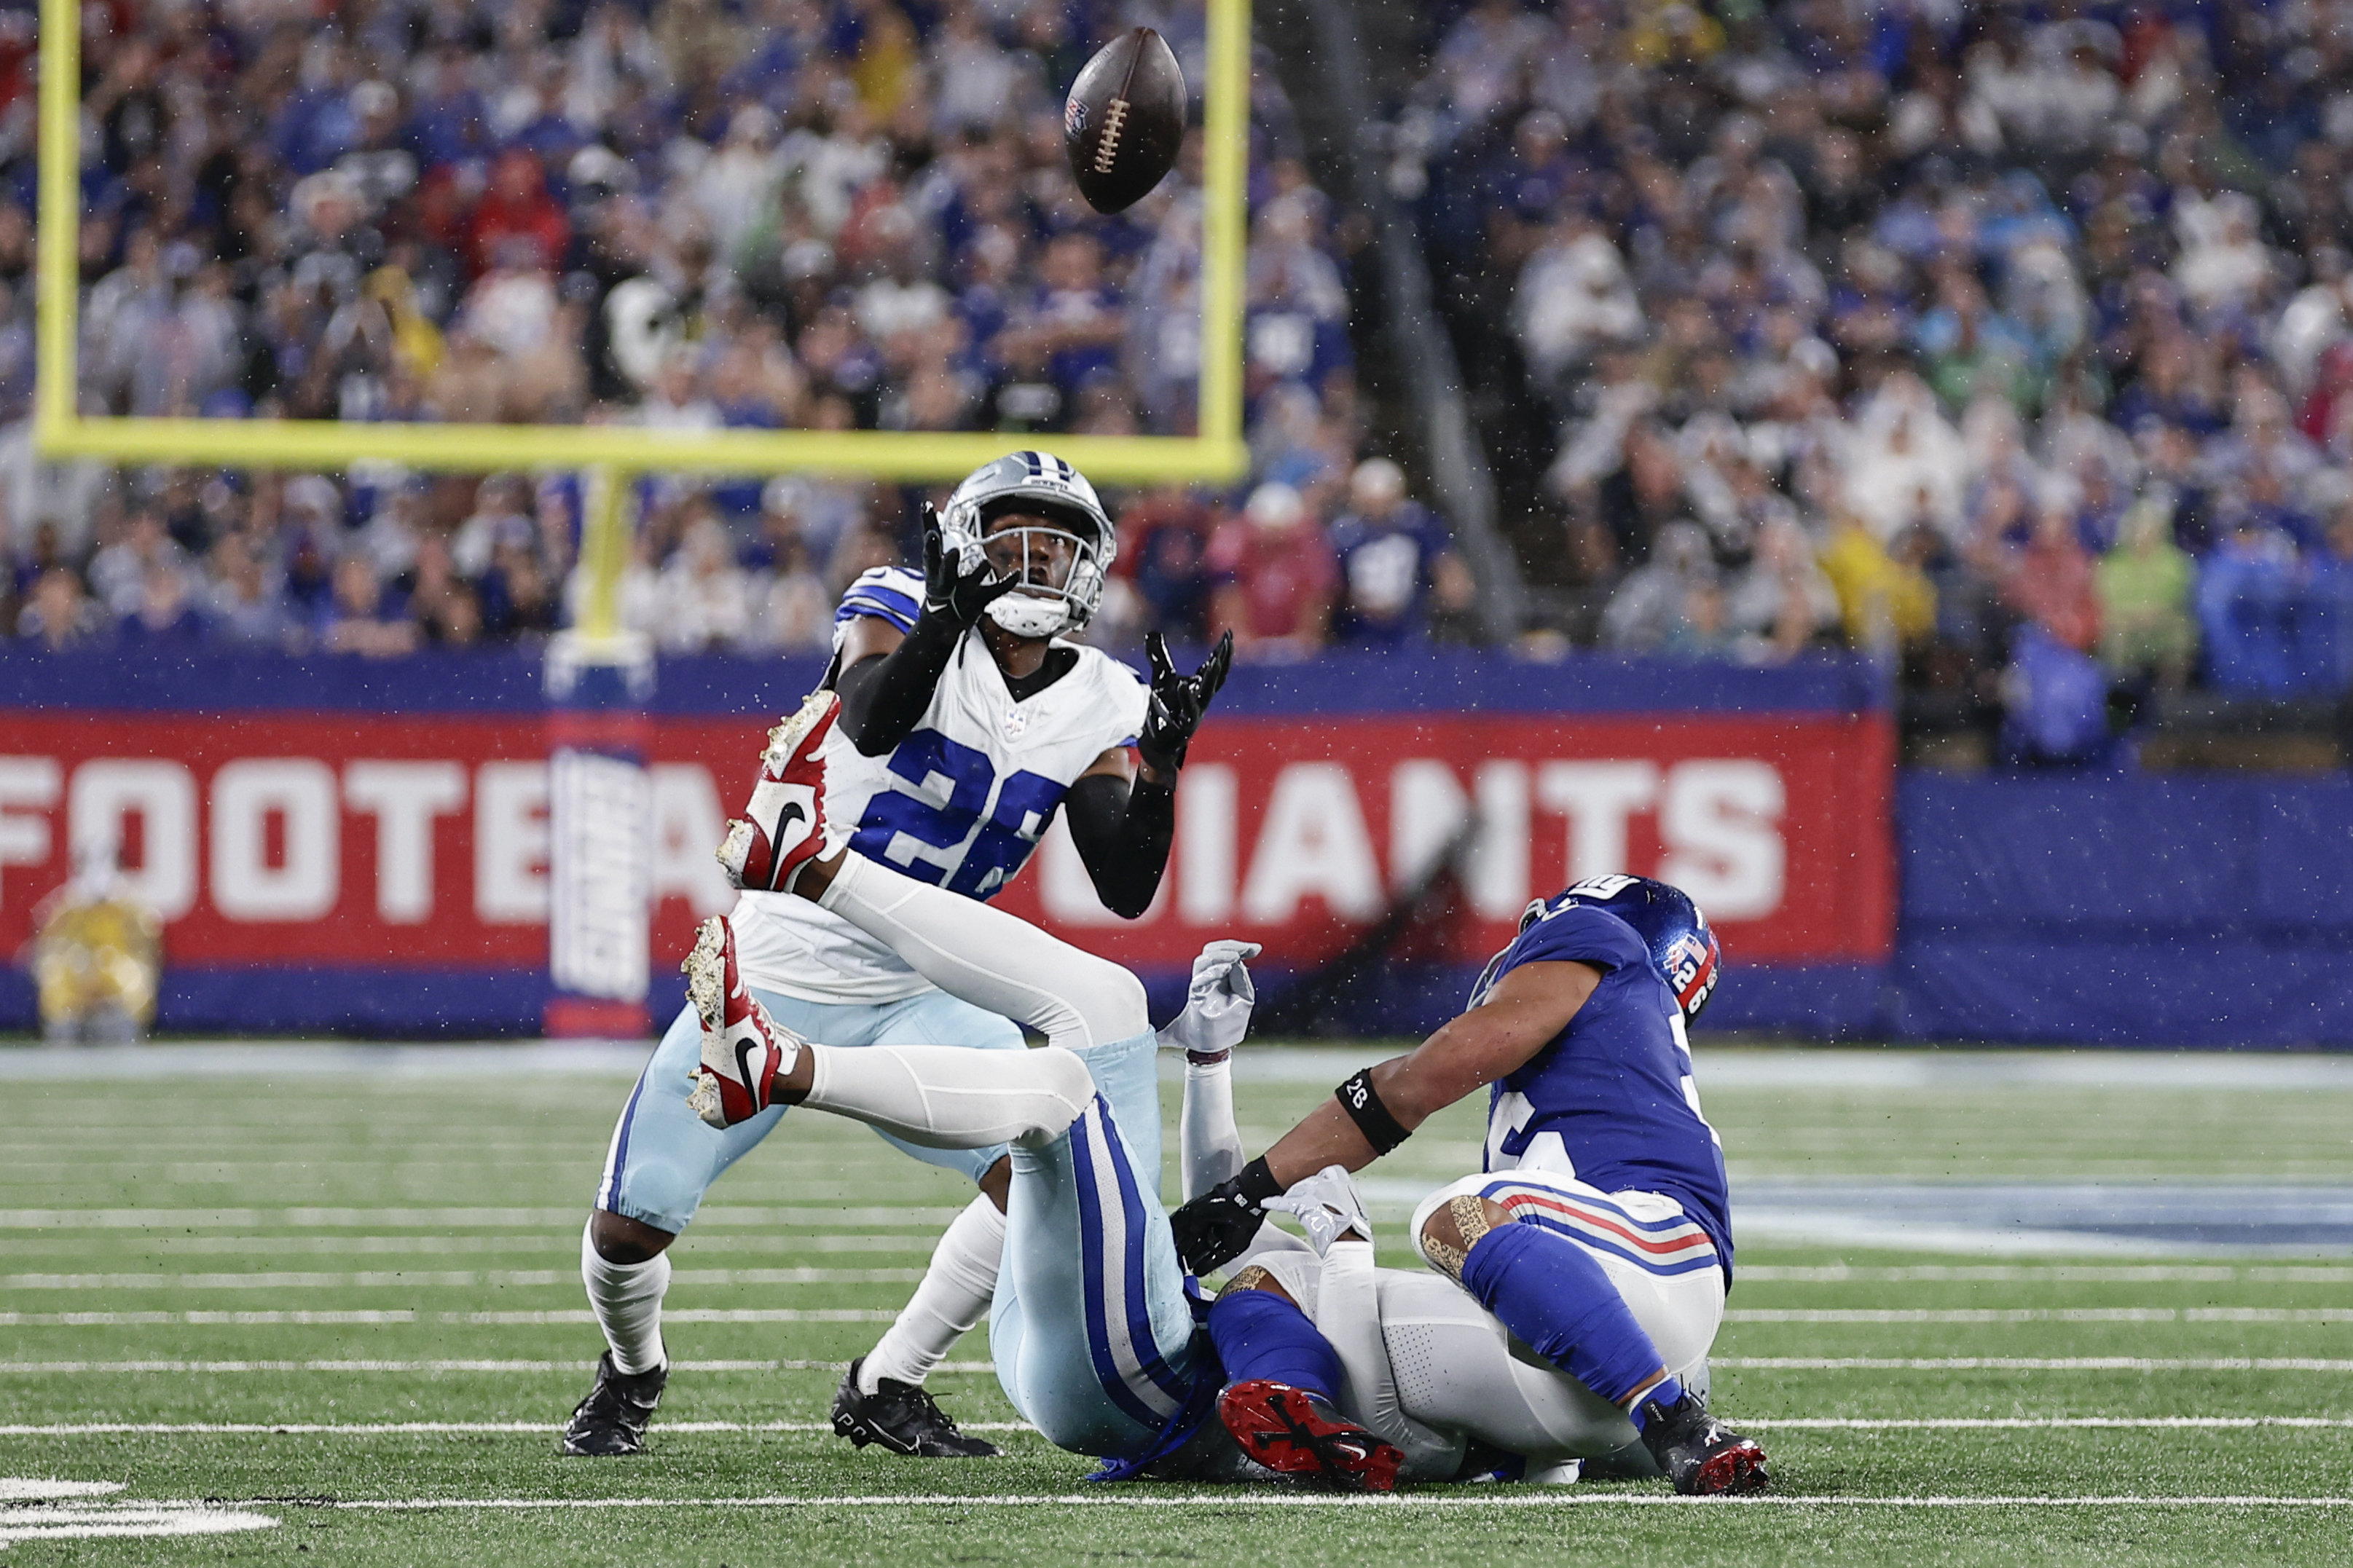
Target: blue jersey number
(1024,806)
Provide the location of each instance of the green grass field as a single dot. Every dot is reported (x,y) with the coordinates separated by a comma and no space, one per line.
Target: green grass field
(350,1305)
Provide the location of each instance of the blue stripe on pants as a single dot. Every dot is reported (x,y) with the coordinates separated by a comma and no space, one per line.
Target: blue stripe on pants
(1088,1134)
(1139,1315)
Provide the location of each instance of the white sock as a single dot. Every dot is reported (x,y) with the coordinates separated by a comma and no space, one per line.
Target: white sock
(951,1299)
(1206,1134)
(627,1299)
(951,1097)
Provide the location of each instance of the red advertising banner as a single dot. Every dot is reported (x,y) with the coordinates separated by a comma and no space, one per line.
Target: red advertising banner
(421,841)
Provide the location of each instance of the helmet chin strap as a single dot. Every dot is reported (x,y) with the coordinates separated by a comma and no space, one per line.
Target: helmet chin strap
(1028,616)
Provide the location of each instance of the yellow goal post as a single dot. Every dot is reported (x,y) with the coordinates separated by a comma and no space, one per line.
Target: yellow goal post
(612,453)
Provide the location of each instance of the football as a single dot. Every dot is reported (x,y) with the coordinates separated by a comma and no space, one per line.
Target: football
(1124,120)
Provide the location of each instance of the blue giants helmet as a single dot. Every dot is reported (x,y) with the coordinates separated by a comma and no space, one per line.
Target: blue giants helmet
(1680,943)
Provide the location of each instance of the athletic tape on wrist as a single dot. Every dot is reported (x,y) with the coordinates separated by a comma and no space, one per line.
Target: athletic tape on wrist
(1362,1103)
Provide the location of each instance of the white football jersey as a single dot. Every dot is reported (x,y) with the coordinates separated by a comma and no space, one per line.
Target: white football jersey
(961,803)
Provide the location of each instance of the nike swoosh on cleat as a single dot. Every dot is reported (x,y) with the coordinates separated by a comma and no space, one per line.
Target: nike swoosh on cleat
(743,1066)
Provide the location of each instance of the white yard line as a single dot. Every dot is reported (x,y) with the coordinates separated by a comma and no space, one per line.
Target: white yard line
(2025,1363)
(328,1280)
(121,1521)
(218,1368)
(2038,1315)
(409,1315)
(716,1216)
(2104,1273)
(2323,1315)
(1762,1423)
(1550,1497)
(441,1278)
(1778,1067)
(406,1428)
(2040,1422)
(173,1247)
(1721,1363)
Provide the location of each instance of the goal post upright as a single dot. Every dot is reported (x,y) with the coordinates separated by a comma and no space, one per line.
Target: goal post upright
(600,675)
(57,244)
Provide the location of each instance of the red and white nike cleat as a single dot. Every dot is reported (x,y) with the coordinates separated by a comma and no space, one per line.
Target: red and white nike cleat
(1299,1432)
(743,1049)
(784,826)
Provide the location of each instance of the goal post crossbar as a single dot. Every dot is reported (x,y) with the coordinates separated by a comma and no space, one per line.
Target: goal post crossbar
(61,430)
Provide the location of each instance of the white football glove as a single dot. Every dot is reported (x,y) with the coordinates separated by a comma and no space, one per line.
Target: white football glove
(1217,1003)
(1328,1205)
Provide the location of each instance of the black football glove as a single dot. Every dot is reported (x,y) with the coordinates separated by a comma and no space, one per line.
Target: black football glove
(1178,701)
(1217,1227)
(951,593)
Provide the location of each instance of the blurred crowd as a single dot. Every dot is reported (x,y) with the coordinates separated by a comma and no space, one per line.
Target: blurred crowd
(690,215)
(2018,337)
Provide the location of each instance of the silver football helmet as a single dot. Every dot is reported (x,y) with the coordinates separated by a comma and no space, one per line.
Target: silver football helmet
(1075,541)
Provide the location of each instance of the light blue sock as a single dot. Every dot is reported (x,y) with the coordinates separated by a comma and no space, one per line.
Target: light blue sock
(1128,1075)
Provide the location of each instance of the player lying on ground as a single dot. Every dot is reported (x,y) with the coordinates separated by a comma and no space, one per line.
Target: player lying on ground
(957,673)
(1599,1230)
(1090,1322)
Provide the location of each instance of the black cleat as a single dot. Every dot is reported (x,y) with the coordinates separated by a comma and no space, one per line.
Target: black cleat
(612,1419)
(902,1418)
(1700,1454)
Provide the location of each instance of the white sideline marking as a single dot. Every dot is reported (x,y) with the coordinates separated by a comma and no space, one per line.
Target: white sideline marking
(1722,1363)
(1762,1423)
(2038,1315)
(52,1522)
(65,1368)
(502,1244)
(37,1489)
(442,1279)
(697,1315)
(811,1274)
(407,1315)
(2116,1273)
(407,1428)
(716,1216)
(2041,1423)
(121,1320)
(2025,1363)
(1776,1067)
(1550,1497)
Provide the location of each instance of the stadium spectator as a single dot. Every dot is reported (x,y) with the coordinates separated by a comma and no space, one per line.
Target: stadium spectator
(2144,587)
(1673,602)
(1275,576)
(687,214)
(2049,579)
(243,610)
(58,615)
(1162,577)
(163,615)
(1933,265)
(1396,561)
(1783,602)
(702,599)
(361,617)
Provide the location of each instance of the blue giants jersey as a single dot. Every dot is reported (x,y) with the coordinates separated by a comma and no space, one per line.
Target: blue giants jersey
(1609,1100)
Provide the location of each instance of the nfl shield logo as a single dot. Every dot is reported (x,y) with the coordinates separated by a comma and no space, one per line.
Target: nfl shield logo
(1015,721)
